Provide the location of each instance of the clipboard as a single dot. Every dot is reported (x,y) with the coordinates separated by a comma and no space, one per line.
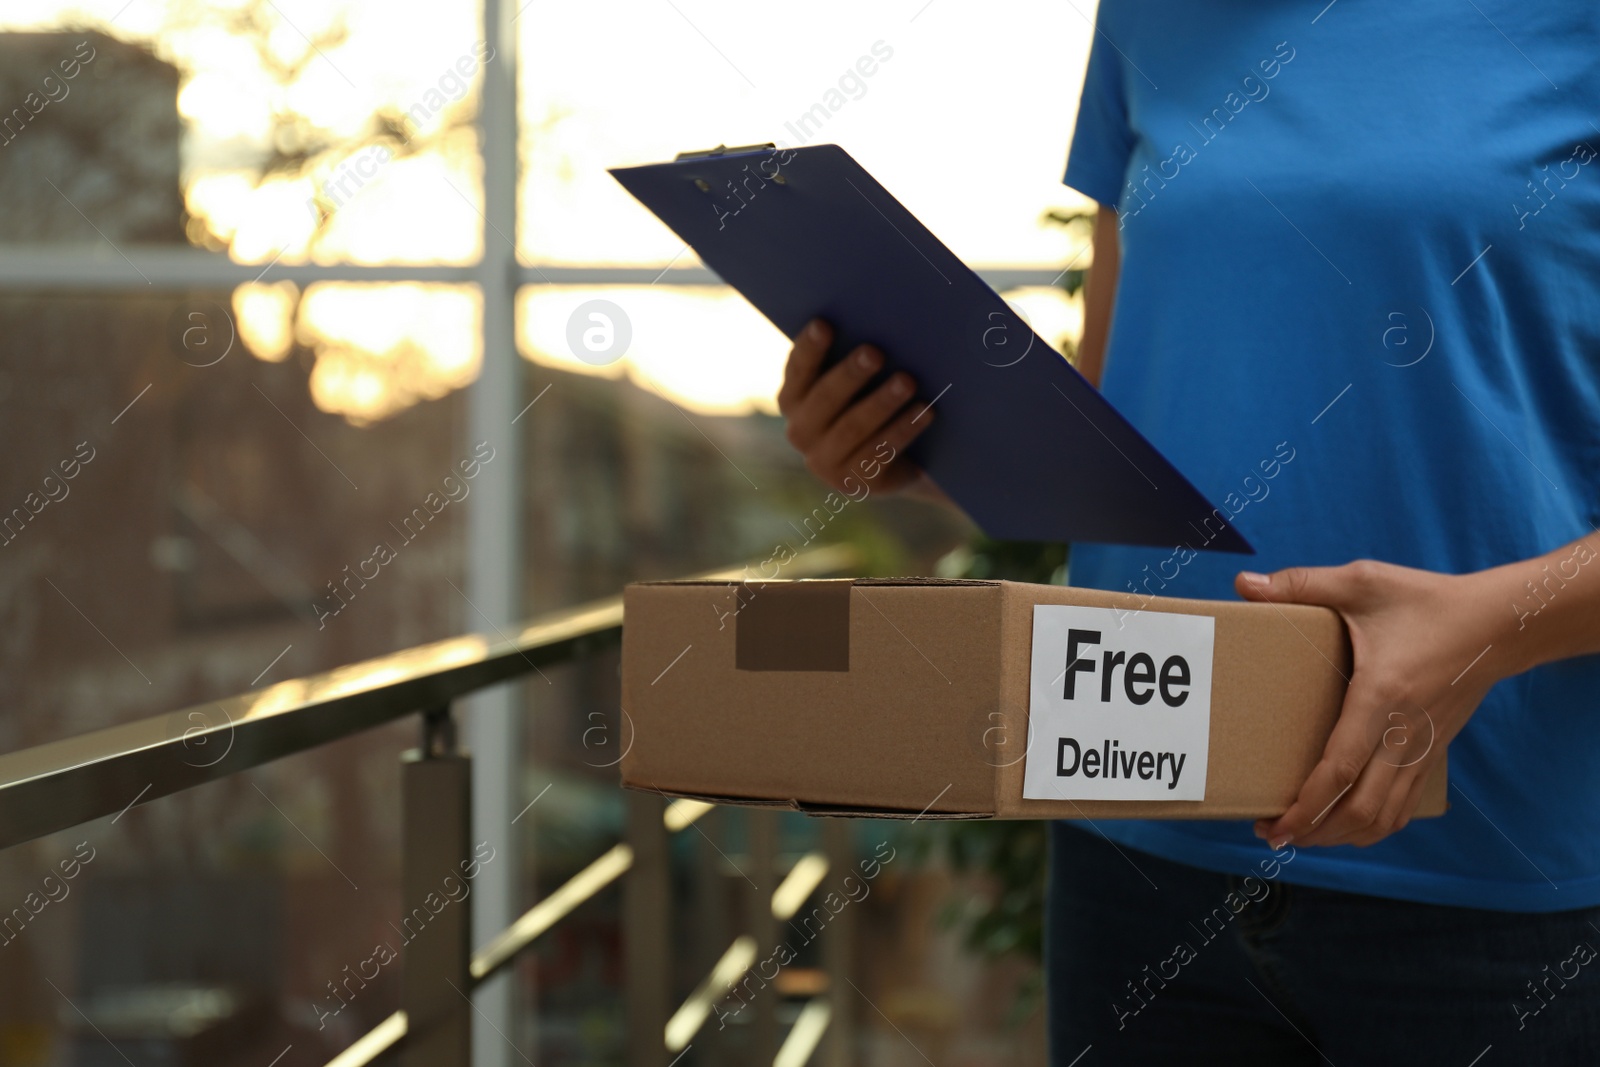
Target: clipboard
(1023,443)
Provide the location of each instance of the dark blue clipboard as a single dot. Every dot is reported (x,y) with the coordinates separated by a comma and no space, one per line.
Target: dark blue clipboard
(1023,443)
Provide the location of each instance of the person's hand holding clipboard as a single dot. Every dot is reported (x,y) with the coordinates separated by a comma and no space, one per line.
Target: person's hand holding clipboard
(1021,442)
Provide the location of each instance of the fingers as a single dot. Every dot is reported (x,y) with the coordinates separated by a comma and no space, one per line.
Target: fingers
(1360,812)
(836,432)
(886,445)
(1328,586)
(805,360)
(1345,759)
(861,420)
(1413,798)
(1404,795)
(830,394)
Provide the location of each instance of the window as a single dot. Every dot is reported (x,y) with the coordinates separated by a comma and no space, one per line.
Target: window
(254,258)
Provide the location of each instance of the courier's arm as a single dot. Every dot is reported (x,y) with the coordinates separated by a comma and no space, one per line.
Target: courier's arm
(1428,647)
(1099,295)
(1556,601)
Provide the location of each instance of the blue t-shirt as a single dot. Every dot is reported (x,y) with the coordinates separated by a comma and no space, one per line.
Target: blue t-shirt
(1359,305)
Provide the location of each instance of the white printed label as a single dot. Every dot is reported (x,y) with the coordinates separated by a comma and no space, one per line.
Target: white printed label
(1119,705)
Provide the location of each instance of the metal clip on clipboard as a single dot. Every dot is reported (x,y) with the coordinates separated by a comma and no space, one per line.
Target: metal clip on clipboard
(722,150)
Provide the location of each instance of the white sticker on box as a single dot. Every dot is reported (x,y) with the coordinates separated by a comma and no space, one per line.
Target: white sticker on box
(1119,705)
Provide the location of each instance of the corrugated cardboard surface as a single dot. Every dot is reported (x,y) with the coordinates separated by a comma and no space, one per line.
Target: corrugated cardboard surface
(924,668)
(928,712)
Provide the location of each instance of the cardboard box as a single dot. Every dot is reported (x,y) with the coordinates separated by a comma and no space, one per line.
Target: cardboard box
(908,697)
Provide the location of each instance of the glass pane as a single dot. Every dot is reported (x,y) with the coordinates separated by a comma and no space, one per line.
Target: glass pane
(380,349)
(1055,315)
(200,480)
(703,347)
(182,522)
(665,460)
(963,113)
(658,336)
(299,130)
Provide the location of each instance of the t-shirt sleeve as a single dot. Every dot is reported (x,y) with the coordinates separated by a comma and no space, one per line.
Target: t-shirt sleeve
(1102,140)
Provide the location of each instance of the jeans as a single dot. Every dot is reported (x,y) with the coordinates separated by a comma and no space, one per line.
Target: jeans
(1151,962)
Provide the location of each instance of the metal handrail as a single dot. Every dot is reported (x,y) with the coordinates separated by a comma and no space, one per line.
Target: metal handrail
(65,783)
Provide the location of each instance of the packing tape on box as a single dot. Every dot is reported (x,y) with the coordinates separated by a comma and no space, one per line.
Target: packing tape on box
(793,626)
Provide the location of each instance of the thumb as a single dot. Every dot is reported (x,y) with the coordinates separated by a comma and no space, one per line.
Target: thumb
(1293,585)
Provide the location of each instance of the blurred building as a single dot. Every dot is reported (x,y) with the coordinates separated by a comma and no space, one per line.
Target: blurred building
(212,520)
